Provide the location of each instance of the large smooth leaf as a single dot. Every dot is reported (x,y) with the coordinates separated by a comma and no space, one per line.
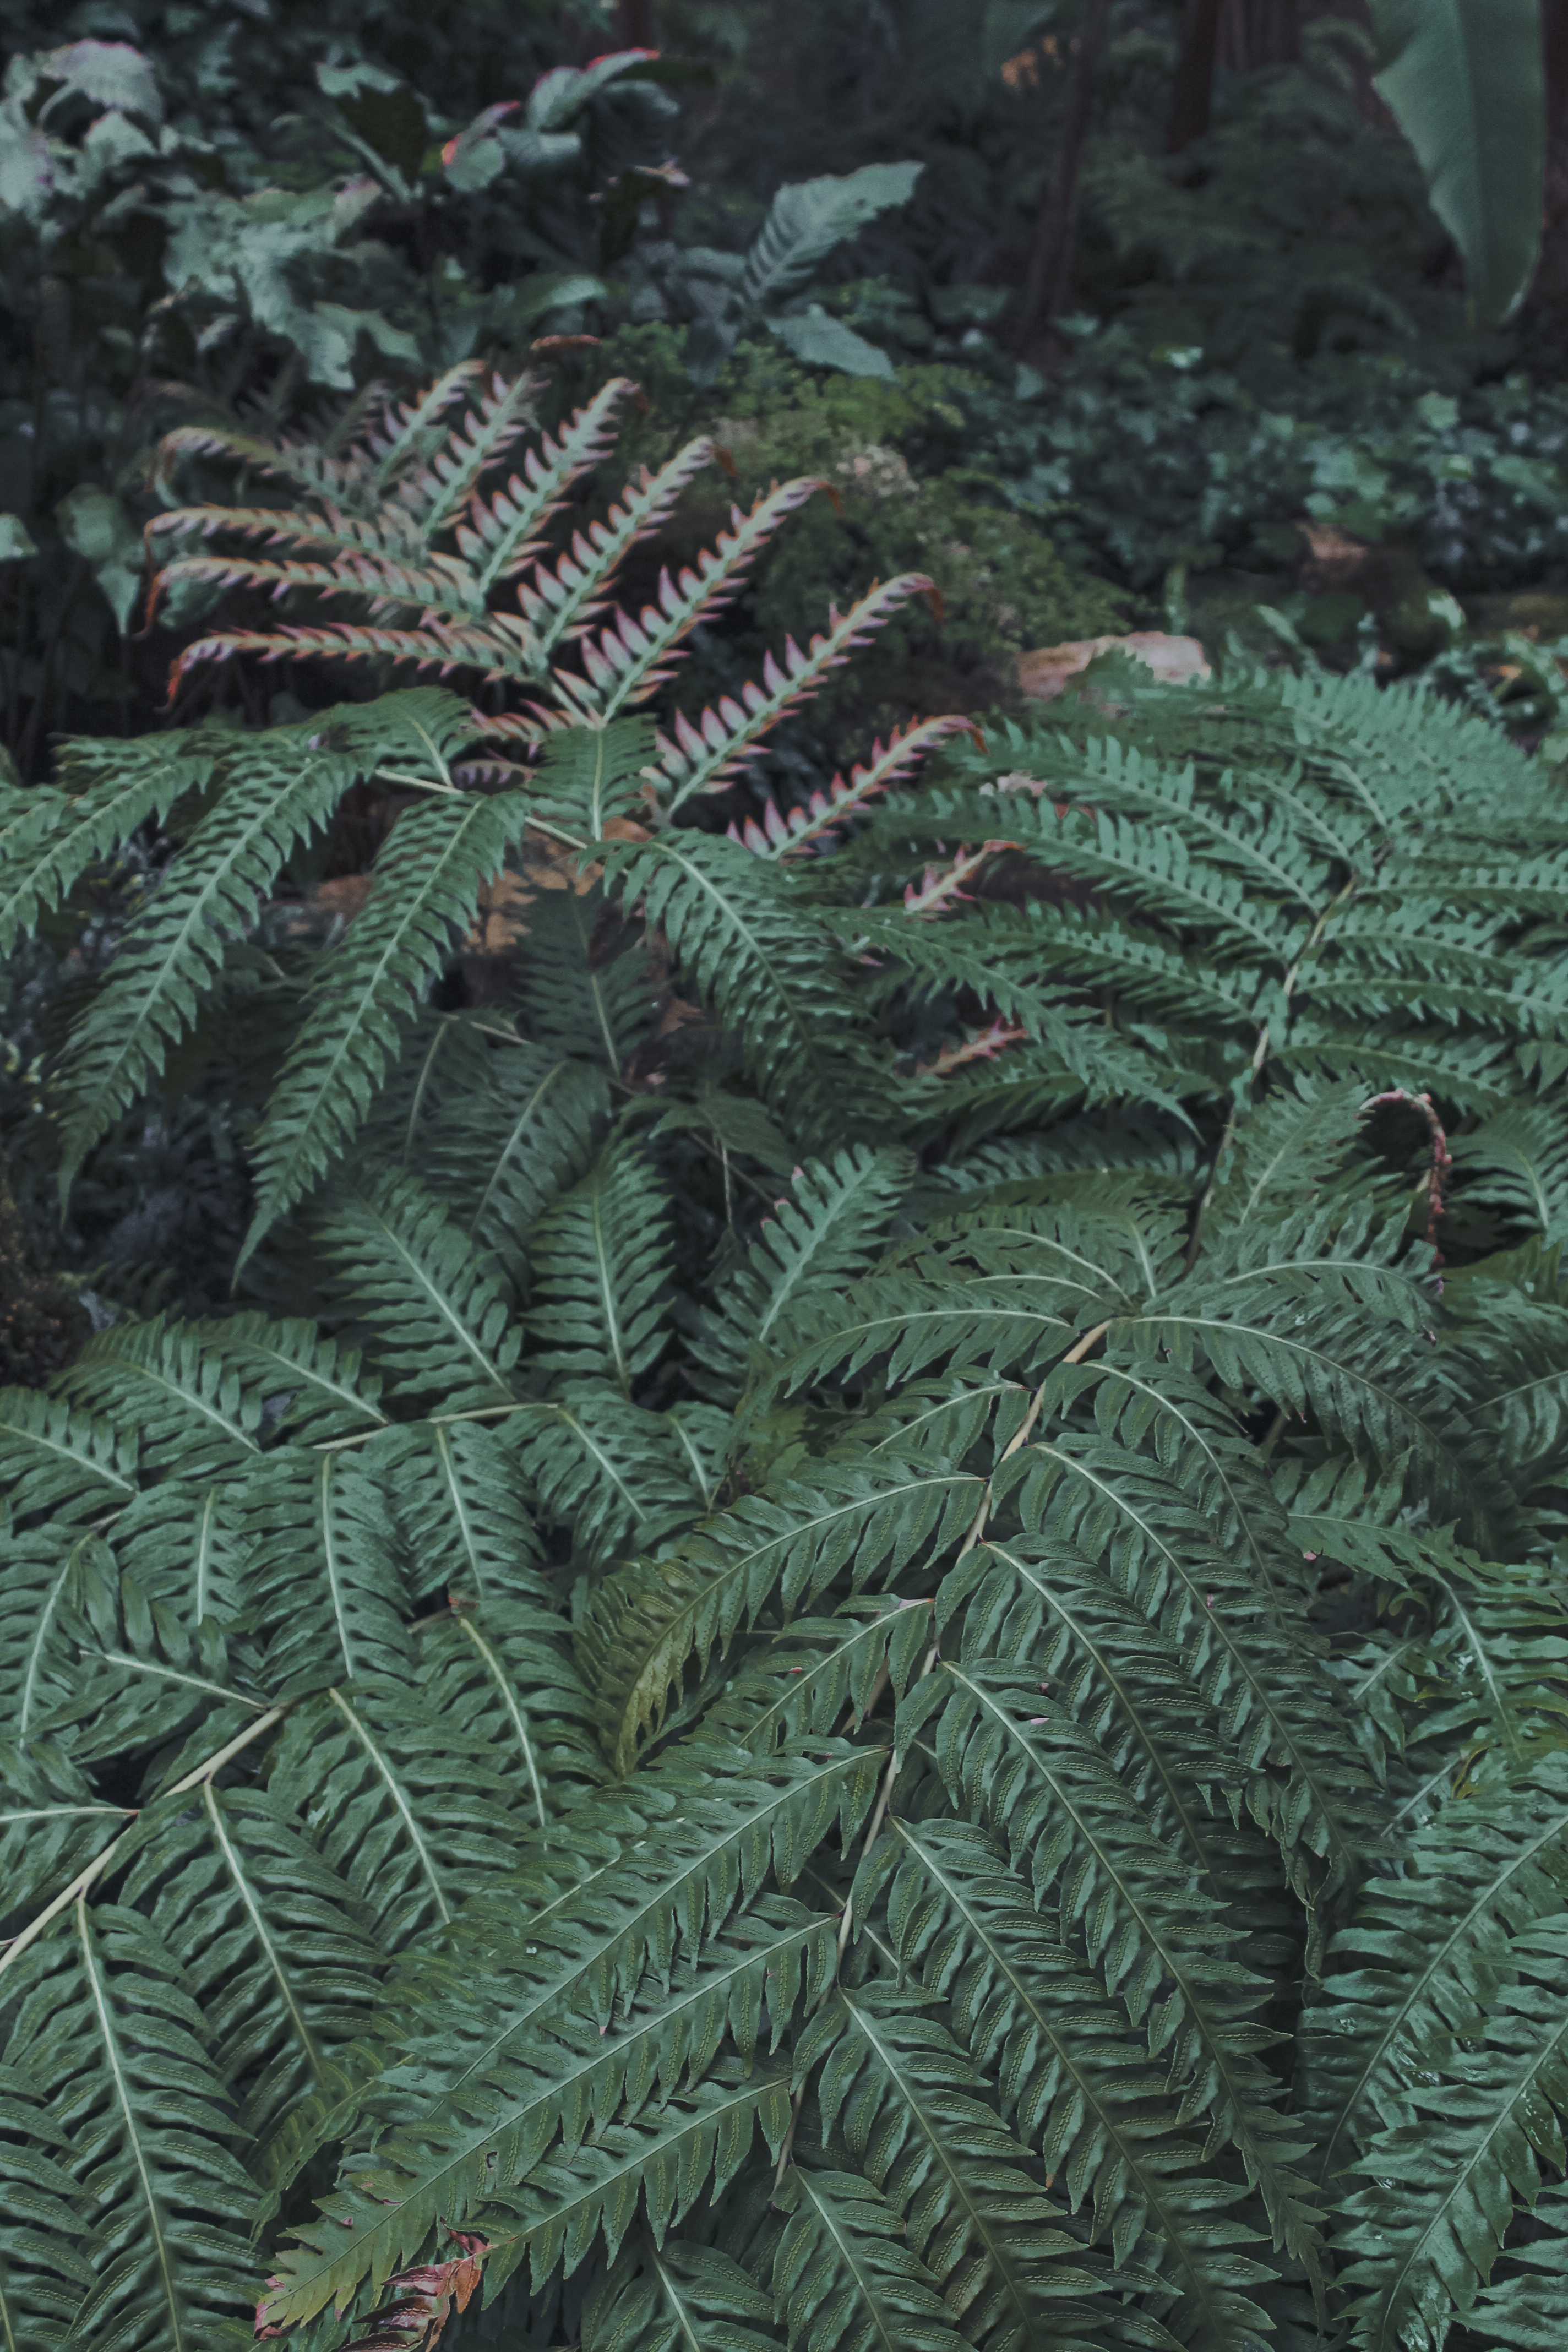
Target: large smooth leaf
(1463,79)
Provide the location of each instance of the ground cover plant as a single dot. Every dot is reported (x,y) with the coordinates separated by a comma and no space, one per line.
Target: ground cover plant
(855,1636)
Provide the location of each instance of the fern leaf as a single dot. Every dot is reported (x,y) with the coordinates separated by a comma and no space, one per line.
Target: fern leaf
(174,950)
(267,1934)
(462,1502)
(684,2295)
(1428,2231)
(559,602)
(426,884)
(1425,1955)
(734,925)
(601,1263)
(102,2015)
(191,1411)
(324,1575)
(896,2091)
(439,1315)
(504,1674)
(1075,2077)
(63,1462)
(498,1154)
(586,776)
(628,661)
(824,1233)
(704,757)
(596,1008)
(1069,1821)
(606,1469)
(50,838)
(419,1816)
(647,1621)
(845,2282)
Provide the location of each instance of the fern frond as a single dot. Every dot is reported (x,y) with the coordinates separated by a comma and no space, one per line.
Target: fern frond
(419,1816)
(683,2294)
(606,1469)
(63,1462)
(896,2091)
(601,1261)
(499,1153)
(1033,1777)
(439,1316)
(425,886)
(1075,2077)
(174,950)
(504,1674)
(270,1938)
(648,1620)
(821,1234)
(462,1502)
(705,756)
(50,838)
(843,2277)
(114,2055)
(193,1414)
(735,928)
(324,1574)
(1423,1958)
(586,776)
(1430,2227)
(631,658)
(499,535)
(561,601)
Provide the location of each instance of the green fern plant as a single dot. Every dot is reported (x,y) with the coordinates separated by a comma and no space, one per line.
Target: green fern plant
(885,1661)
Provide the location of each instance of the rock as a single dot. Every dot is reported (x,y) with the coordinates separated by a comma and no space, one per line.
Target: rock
(1045,673)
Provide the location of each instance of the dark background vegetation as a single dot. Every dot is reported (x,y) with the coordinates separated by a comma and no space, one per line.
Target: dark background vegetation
(1166,337)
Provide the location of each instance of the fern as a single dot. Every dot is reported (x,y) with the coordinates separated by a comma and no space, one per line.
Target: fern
(875,1653)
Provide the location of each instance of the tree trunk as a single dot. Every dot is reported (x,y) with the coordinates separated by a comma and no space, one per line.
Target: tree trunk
(1049,274)
(1192,88)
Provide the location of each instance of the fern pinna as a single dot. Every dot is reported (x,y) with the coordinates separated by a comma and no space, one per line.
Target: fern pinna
(881,1660)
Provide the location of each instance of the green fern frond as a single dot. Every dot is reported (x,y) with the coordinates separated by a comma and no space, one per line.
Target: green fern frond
(601,1263)
(1077,2079)
(271,1942)
(824,1231)
(608,1469)
(426,886)
(846,2280)
(324,1576)
(1430,2227)
(648,1621)
(173,951)
(505,1674)
(440,1318)
(594,1008)
(49,838)
(161,1378)
(114,2053)
(586,776)
(560,601)
(61,1461)
(667,2298)
(462,1502)
(896,2091)
(1423,1960)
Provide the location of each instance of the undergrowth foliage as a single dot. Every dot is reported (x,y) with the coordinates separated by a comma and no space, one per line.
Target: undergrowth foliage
(899,1682)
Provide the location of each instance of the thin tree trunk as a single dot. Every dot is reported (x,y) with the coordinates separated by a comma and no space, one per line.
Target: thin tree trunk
(1049,274)
(634,25)
(1192,87)
(1555,49)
